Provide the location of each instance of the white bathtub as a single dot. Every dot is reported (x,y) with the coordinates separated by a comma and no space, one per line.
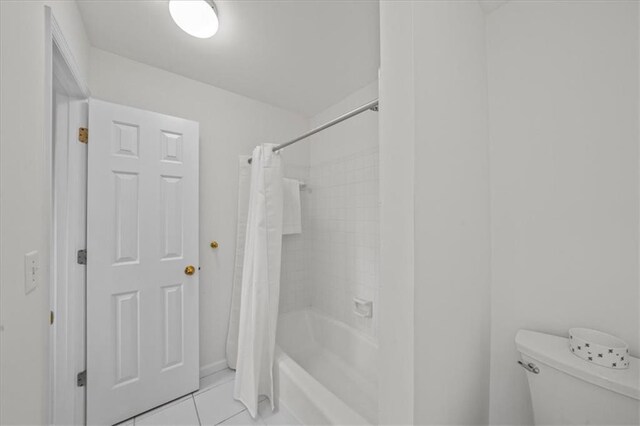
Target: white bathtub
(326,370)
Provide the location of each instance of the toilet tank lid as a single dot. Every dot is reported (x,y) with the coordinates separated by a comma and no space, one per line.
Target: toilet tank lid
(554,352)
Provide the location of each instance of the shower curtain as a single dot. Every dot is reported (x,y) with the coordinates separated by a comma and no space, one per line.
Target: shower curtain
(244,186)
(260,281)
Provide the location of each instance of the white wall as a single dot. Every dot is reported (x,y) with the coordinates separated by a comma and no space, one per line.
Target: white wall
(563,96)
(24,203)
(452,247)
(343,212)
(230,125)
(563,89)
(397,147)
(434,104)
(355,135)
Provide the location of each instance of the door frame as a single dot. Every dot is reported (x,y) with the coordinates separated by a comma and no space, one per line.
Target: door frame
(61,65)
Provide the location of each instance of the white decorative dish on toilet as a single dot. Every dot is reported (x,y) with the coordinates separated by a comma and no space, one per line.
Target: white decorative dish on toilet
(599,348)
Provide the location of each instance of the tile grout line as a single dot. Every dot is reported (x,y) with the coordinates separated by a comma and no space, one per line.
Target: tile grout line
(193,399)
(192,395)
(202,391)
(232,416)
(157,410)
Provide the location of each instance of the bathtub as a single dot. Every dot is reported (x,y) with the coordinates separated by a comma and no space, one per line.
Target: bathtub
(325,370)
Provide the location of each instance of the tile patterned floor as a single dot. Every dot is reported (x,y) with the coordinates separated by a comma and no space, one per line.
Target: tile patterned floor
(212,405)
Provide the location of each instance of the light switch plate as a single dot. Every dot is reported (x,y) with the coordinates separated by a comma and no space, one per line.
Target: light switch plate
(31,271)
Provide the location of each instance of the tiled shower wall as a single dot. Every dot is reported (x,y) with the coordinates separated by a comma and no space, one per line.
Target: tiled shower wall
(342,237)
(295,287)
(336,258)
(337,255)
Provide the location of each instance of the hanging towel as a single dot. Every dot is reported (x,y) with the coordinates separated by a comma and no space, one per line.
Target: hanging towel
(260,281)
(291,216)
(244,185)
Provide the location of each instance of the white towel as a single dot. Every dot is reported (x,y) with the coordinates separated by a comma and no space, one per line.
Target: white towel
(291,214)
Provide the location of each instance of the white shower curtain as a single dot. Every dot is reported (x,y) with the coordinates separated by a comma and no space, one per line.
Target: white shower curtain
(244,187)
(260,281)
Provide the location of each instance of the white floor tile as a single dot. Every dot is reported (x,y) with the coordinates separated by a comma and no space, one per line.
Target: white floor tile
(156,410)
(280,417)
(215,379)
(217,404)
(213,405)
(243,419)
(182,413)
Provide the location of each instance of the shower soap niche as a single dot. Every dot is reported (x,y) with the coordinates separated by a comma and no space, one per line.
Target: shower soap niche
(363,308)
(599,348)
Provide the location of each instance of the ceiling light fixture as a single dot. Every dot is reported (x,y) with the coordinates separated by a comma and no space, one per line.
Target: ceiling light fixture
(198,18)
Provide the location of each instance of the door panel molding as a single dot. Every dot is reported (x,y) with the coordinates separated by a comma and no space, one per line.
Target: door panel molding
(142,310)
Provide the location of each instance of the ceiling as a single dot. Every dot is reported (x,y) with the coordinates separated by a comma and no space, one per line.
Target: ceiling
(490,5)
(301,55)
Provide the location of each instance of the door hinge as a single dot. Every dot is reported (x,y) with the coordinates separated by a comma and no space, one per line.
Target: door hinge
(50,317)
(83,135)
(82,378)
(82,257)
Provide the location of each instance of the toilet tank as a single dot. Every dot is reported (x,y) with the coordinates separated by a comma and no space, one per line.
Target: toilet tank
(567,390)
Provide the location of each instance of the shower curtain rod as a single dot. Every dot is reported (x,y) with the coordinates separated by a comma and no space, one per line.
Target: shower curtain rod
(373,105)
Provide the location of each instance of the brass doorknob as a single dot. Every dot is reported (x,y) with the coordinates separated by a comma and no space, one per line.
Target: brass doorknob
(214,244)
(190,270)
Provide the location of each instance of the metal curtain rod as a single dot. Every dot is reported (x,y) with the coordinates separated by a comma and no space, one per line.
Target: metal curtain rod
(373,105)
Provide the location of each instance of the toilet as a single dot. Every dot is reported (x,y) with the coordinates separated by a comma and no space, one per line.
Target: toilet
(567,390)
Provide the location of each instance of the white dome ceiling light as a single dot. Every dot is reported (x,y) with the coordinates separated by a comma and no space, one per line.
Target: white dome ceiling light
(198,18)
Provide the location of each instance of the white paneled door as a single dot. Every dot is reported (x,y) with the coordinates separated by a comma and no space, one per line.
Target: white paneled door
(142,261)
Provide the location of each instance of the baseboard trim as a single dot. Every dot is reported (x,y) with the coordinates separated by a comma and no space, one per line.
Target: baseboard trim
(214,367)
